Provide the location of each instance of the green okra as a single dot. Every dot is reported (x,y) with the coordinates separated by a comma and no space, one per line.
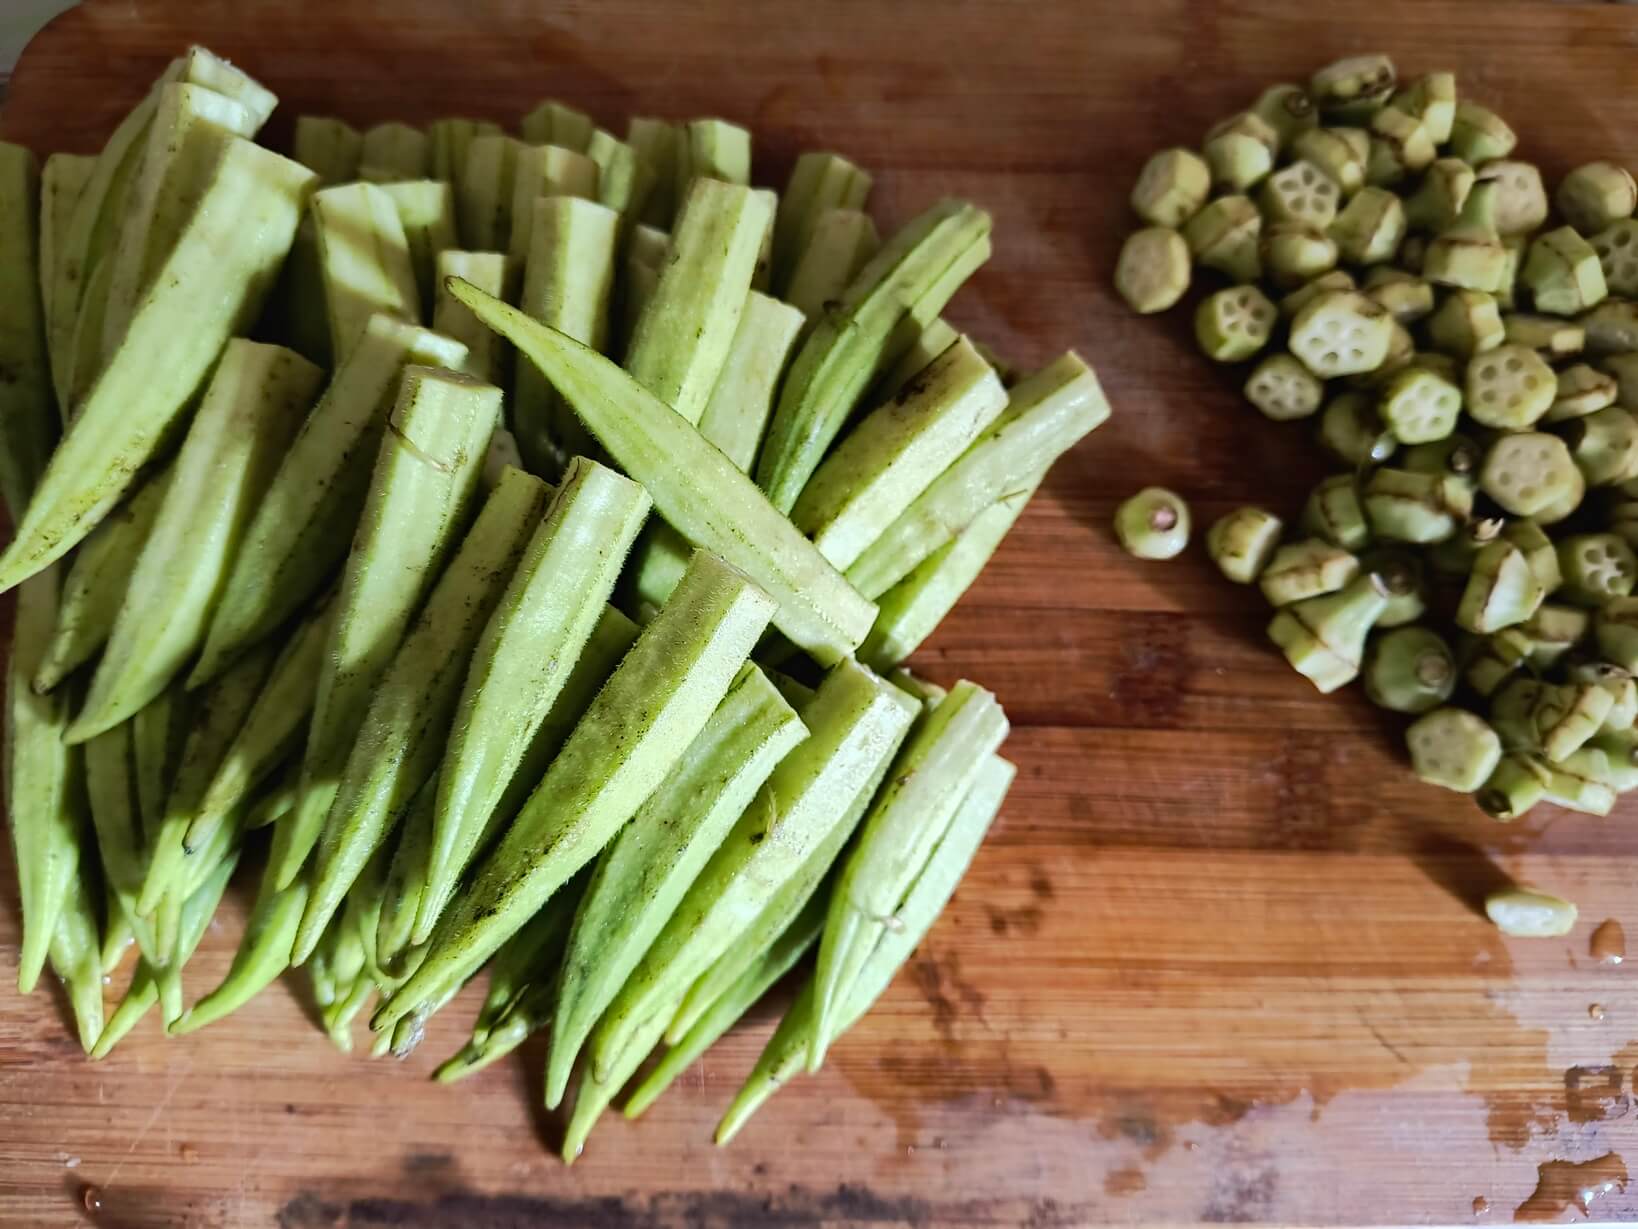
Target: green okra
(840,244)
(524,1016)
(711,149)
(657,564)
(426,211)
(648,245)
(425,479)
(62,178)
(1453,748)
(687,328)
(556,123)
(76,959)
(1469,254)
(933,340)
(896,452)
(405,882)
(787,1051)
(818,182)
(1611,328)
(537,633)
(490,273)
(638,281)
(250,411)
(159,733)
(263,953)
(1046,415)
(726,1009)
(544,171)
(206,291)
(939,763)
(117,934)
(28,419)
(624,177)
(645,871)
(331,148)
(656,142)
(1324,637)
(1582,390)
(1409,670)
(630,738)
(364,258)
(276,801)
(1616,245)
(742,400)
(855,721)
(568,284)
(448,141)
(42,782)
(483,192)
(110,781)
(530,960)
(906,284)
(1563,273)
(694,486)
(913,608)
(592,1095)
(394,152)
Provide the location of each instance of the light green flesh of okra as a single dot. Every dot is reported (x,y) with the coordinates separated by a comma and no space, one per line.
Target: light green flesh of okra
(365,259)
(426,211)
(450,317)
(736,414)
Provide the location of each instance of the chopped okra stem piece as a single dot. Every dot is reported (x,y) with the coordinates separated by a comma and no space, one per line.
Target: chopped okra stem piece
(1479,135)
(1597,195)
(1567,715)
(1438,200)
(1336,279)
(1581,781)
(1404,296)
(1619,683)
(1615,629)
(1620,750)
(1153,272)
(1532,474)
(1563,273)
(1538,548)
(1224,236)
(1409,670)
(1341,333)
(1453,748)
(1334,512)
(1617,248)
(1612,327)
(1352,431)
(1241,542)
(1526,913)
(1412,255)
(1334,156)
(1241,151)
(1432,99)
(1596,567)
(1324,637)
(1153,524)
(1513,713)
(1507,293)
(1287,109)
(1510,388)
(1453,558)
(1450,454)
(1301,193)
(1513,788)
(1171,188)
(1521,200)
(1604,445)
(1420,406)
(1314,567)
(1502,590)
(1469,254)
(1400,146)
(1353,88)
(1401,575)
(1234,324)
(1494,659)
(1369,228)
(1551,336)
(1554,630)
(1624,369)
(1405,506)
(1293,254)
(1283,389)
(1468,322)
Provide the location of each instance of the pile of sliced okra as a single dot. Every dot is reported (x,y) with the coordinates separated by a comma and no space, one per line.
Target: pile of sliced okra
(509,547)
(1468,348)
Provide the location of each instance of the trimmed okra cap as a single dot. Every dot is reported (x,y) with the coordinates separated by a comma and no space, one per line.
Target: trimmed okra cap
(1153,271)
(1233,324)
(1171,188)
(1596,195)
(1353,432)
(1287,109)
(1563,273)
(1401,574)
(1223,236)
(1526,913)
(1409,670)
(1153,524)
(1353,88)
(1242,542)
(1324,637)
(1453,748)
(1314,567)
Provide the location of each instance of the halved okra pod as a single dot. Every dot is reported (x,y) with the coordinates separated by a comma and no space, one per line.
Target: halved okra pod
(1324,637)
(542,172)
(737,412)
(426,211)
(364,262)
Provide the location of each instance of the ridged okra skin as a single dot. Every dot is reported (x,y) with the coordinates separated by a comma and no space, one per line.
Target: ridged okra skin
(29,423)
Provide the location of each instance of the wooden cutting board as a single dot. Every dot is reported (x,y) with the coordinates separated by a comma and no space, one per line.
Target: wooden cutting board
(1219,961)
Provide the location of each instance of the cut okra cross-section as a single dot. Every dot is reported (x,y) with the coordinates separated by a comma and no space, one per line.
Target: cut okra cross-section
(1234,324)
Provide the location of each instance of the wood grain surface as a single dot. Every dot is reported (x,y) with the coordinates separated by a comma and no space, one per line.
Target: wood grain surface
(1219,961)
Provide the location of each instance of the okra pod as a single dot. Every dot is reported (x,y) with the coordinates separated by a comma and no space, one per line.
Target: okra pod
(448,141)
(483,193)
(855,722)
(712,149)
(694,486)
(76,958)
(251,410)
(62,178)
(737,412)
(556,123)
(656,142)
(896,452)
(28,419)
(426,211)
(624,178)
(524,1016)
(330,148)
(364,257)
(529,961)
(425,478)
(592,1095)
(556,597)
(406,880)
(206,291)
(393,153)
(910,279)
(652,707)
(841,243)
(1046,415)
(545,171)
(489,272)
(263,953)
(818,182)
(644,872)
(932,341)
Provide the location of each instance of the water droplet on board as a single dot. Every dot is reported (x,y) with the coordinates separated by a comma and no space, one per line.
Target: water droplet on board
(190,1154)
(1595,1011)
(1609,942)
(1481,1205)
(1562,1185)
(91,1197)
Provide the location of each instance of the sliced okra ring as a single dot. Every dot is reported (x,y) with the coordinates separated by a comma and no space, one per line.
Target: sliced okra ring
(1283,389)
(1341,333)
(1432,99)
(1242,542)
(1324,637)
(1438,200)
(1293,254)
(1333,155)
(1479,135)
(1404,296)
(1406,506)
(1314,567)
(1604,445)
(1301,193)
(1334,512)
(1224,236)
(1469,254)
(1336,279)
(1370,227)
(1531,474)
(1420,406)
(1510,388)
(1596,567)
(1468,322)
(1597,195)
(1241,151)
(1617,248)
(1233,324)
(1352,431)
(1528,914)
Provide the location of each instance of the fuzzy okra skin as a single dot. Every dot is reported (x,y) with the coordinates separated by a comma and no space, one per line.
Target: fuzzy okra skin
(896,452)
(364,259)
(410,713)
(645,871)
(28,417)
(736,414)
(426,211)
(1046,415)
(545,171)
(550,609)
(310,511)
(264,953)
(46,817)
(630,738)
(592,1095)
(450,317)
(841,243)
(250,412)
(910,279)
(62,178)
(406,879)
(529,961)
(855,721)
(783,1058)
(694,486)
(426,475)
(209,287)
(76,958)
(568,284)
(819,182)
(686,331)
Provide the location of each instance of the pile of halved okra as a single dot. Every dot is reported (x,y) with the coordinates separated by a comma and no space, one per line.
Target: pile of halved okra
(1468,348)
(509,546)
